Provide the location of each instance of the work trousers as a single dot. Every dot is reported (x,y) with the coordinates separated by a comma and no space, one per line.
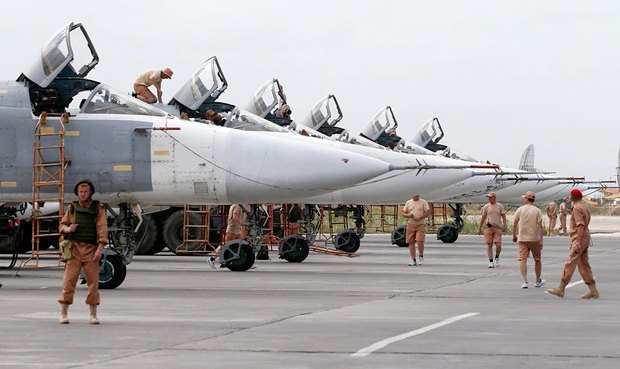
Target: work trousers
(578,259)
(81,251)
(551,228)
(563,223)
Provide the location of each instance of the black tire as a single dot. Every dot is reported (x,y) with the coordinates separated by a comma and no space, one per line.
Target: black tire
(347,241)
(399,236)
(173,231)
(294,249)
(146,236)
(114,272)
(239,256)
(447,233)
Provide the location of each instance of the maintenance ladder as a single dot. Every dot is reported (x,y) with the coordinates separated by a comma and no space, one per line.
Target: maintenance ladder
(48,168)
(388,217)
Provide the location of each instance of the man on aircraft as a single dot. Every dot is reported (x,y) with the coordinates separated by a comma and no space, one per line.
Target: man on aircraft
(150,77)
(284,111)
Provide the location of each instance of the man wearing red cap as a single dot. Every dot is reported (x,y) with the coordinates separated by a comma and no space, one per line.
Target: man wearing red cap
(528,224)
(578,254)
(150,77)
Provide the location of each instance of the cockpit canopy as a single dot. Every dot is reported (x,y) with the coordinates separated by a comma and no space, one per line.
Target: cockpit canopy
(57,55)
(206,84)
(324,116)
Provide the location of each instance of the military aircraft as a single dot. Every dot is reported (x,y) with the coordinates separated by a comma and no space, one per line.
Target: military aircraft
(200,92)
(137,154)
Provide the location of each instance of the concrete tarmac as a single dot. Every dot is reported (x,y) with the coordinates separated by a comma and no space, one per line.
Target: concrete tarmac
(372,311)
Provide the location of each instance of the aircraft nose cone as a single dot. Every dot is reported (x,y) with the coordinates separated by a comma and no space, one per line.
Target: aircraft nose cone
(284,168)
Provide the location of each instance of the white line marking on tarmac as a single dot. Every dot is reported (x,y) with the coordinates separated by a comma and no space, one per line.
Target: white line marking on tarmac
(572,284)
(381,344)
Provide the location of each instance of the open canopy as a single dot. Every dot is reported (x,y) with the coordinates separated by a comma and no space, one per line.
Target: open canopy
(207,83)
(57,55)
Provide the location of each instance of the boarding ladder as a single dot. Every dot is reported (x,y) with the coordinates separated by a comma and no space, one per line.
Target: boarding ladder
(438,217)
(388,217)
(196,230)
(48,168)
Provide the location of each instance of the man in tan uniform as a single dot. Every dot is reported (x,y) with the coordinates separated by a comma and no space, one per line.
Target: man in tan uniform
(578,254)
(237,214)
(85,223)
(552,213)
(494,219)
(150,77)
(563,212)
(416,211)
(528,225)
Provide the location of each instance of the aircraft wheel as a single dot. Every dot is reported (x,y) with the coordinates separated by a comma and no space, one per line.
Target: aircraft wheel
(113,272)
(237,256)
(294,249)
(448,233)
(173,231)
(347,241)
(399,236)
(146,235)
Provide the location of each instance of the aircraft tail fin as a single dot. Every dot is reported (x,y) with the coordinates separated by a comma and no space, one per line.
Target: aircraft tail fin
(527,159)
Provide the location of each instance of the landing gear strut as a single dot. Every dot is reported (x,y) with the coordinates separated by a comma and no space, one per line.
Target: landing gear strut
(113,265)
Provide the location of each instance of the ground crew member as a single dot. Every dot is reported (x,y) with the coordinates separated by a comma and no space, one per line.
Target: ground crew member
(563,212)
(528,225)
(578,254)
(552,213)
(494,219)
(85,224)
(150,77)
(416,210)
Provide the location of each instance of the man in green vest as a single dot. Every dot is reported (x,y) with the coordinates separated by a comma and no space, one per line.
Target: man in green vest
(86,226)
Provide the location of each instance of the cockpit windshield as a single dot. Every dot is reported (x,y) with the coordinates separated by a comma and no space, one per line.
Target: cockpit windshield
(106,100)
(239,119)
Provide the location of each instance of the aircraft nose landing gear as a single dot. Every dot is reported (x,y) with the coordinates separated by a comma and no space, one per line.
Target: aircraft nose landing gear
(347,241)
(294,249)
(399,236)
(237,255)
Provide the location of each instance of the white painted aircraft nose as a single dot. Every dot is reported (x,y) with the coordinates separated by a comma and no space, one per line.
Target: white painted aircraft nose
(294,167)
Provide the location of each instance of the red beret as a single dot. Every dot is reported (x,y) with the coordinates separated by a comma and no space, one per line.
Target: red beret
(575,192)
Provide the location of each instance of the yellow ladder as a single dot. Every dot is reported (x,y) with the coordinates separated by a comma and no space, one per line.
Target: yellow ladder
(196,234)
(48,167)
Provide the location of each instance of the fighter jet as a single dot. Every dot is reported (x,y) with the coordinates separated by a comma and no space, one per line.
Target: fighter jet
(137,154)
